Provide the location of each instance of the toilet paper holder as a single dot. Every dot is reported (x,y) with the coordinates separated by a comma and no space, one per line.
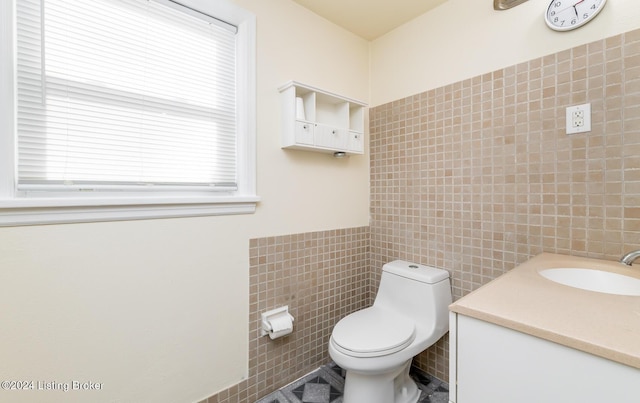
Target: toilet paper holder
(273,320)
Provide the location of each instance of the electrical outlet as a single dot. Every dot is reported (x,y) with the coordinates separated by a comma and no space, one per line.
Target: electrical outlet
(579,119)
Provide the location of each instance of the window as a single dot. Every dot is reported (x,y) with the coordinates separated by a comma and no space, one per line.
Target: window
(123,109)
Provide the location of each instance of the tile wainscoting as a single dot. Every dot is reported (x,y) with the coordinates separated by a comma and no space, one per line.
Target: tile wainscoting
(478,176)
(322,277)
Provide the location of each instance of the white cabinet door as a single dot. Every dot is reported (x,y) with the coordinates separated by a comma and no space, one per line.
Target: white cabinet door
(304,132)
(331,137)
(356,142)
(494,364)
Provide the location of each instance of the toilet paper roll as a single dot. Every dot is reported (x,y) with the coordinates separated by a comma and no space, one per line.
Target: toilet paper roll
(281,325)
(300,109)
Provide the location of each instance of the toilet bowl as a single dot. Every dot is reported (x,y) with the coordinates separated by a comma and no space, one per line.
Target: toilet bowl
(377,344)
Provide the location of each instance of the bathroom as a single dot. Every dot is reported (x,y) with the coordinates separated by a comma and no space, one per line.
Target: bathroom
(167,310)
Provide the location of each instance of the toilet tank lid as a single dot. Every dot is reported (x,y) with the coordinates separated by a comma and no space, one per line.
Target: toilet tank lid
(415,271)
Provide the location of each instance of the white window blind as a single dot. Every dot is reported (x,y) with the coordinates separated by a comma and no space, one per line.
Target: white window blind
(124,95)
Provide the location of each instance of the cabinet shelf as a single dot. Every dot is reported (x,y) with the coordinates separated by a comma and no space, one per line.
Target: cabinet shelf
(320,121)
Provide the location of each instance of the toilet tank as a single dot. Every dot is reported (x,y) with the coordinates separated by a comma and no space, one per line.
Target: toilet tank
(420,292)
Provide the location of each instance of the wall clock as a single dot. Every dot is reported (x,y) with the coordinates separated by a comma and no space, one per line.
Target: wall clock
(564,15)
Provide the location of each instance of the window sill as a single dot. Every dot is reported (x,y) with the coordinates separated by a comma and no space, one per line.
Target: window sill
(19,212)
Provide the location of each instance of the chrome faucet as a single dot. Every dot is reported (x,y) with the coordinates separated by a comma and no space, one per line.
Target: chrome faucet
(630,257)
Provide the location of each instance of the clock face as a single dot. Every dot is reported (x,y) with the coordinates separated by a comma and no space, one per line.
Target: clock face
(563,15)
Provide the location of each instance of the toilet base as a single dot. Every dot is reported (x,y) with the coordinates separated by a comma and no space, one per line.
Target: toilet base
(394,386)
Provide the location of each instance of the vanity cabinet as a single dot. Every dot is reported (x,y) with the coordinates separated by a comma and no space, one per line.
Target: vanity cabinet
(493,364)
(317,120)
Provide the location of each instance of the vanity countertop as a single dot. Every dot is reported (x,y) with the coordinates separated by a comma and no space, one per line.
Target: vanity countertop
(605,325)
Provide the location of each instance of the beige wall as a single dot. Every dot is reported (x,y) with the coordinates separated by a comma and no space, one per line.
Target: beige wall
(158,310)
(464,38)
(303,191)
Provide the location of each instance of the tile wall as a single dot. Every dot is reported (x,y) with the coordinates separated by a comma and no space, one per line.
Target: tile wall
(322,277)
(478,176)
(474,177)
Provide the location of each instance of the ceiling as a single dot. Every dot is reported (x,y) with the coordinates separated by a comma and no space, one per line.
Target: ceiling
(369,18)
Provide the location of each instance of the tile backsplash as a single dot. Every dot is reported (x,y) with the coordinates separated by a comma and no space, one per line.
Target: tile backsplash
(479,176)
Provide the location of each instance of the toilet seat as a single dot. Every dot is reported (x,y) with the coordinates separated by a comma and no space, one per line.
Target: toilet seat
(373,332)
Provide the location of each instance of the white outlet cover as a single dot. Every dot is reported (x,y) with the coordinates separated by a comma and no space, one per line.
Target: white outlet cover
(572,126)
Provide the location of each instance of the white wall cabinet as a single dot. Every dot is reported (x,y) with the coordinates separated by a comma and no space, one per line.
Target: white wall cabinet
(493,364)
(317,120)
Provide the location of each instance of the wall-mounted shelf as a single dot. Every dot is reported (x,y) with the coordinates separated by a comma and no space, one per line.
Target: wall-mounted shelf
(317,120)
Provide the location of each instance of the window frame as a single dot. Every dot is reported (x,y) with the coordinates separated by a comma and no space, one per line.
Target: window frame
(18,210)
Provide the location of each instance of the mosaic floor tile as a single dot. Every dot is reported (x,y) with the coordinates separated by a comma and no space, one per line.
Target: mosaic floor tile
(321,386)
(275,397)
(325,385)
(433,389)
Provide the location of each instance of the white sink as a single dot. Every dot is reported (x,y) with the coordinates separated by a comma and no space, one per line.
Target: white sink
(594,280)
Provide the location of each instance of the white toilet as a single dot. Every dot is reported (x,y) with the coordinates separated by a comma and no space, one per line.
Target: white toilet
(376,345)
